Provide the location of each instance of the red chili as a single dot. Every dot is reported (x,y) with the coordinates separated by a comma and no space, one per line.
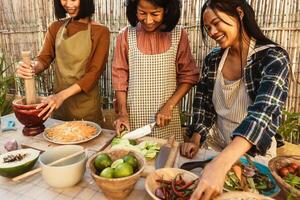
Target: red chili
(176,192)
(187,185)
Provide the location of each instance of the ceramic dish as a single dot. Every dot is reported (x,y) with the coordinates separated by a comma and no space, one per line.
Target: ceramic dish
(91,124)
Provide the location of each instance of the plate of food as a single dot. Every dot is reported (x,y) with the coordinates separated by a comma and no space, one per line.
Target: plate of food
(251,176)
(72,132)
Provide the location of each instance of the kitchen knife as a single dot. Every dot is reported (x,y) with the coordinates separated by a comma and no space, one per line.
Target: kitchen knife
(195,164)
(164,153)
(140,132)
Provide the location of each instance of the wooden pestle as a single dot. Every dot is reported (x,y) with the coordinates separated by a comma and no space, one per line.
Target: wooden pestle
(32,172)
(30,91)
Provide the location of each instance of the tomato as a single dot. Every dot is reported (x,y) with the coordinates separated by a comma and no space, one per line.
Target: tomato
(291,170)
(283,171)
(294,165)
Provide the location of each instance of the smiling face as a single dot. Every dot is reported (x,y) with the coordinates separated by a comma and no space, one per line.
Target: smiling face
(149,15)
(222,28)
(71,6)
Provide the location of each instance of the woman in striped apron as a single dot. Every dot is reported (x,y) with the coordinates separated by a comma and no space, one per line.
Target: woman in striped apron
(243,88)
(153,68)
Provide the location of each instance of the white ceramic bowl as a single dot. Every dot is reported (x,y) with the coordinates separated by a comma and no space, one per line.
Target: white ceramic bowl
(66,173)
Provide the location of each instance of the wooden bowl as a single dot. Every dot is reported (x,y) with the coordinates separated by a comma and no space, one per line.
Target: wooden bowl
(241,196)
(166,173)
(117,188)
(280,161)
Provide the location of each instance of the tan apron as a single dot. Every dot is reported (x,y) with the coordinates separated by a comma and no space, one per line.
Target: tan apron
(152,81)
(231,101)
(72,54)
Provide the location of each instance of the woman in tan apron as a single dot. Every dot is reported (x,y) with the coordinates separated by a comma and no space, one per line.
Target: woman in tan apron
(243,88)
(79,48)
(153,68)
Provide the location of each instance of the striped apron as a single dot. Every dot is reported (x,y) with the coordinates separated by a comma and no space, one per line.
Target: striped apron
(152,81)
(231,101)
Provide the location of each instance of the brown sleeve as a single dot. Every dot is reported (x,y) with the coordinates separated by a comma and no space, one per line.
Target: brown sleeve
(47,53)
(120,67)
(187,70)
(98,58)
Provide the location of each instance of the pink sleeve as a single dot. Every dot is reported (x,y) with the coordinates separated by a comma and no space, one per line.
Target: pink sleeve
(120,69)
(187,70)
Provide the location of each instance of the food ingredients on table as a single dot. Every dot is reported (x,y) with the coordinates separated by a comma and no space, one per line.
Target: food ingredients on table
(11,145)
(252,180)
(291,174)
(176,188)
(17,162)
(102,161)
(122,167)
(107,172)
(123,170)
(148,148)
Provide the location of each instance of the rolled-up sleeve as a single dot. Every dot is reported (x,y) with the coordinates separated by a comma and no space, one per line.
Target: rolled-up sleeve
(257,127)
(187,70)
(120,66)
(97,63)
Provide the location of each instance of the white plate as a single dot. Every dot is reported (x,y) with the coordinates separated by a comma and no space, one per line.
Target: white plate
(99,129)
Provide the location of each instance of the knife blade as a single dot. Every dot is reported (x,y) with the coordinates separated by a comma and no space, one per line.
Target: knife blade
(140,132)
(164,153)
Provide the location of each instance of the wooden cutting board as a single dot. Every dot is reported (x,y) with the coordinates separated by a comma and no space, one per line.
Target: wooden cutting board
(96,144)
(150,164)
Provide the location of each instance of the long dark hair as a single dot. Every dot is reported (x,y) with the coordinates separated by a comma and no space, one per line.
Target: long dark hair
(87,9)
(230,8)
(171,16)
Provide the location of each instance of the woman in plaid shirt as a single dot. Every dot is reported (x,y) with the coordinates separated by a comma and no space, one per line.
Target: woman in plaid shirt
(243,88)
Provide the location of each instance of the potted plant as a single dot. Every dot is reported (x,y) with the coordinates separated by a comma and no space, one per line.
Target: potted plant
(5,83)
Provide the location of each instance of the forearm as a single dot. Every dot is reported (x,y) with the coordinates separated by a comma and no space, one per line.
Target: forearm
(122,100)
(68,92)
(181,90)
(238,147)
(38,67)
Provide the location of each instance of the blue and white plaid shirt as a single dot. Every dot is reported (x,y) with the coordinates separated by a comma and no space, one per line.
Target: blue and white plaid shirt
(266,80)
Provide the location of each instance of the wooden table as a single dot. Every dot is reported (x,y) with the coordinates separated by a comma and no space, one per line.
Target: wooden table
(35,188)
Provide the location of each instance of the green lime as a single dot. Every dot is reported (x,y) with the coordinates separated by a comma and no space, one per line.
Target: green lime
(102,161)
(108,172)
(116,163)
(123,170)
(130,159)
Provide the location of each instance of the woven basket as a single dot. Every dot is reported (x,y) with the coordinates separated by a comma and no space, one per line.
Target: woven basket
(281,161)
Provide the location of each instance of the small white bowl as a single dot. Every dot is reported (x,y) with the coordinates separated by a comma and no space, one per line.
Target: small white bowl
(66,173)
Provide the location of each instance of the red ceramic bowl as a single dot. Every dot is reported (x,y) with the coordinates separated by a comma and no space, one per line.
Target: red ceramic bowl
(28,116)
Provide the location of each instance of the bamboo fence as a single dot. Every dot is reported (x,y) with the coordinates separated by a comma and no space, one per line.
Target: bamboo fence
(23,25)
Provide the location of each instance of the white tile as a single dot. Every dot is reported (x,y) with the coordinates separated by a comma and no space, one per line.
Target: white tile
(48,195)
(86,194)
(3,192)
(98,196)
(21,187)
(35,192)
(71,191)
(11,196)
(63,197)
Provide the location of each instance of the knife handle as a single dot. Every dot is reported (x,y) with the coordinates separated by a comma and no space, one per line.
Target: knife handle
(170,141)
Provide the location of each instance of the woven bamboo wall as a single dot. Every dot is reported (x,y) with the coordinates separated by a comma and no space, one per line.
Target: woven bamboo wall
(23,25)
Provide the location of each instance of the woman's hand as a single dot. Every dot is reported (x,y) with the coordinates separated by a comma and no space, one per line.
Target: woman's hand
(25,71)
(121,124)
(52,102)
(164,116)
(190,147)
(210,182)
